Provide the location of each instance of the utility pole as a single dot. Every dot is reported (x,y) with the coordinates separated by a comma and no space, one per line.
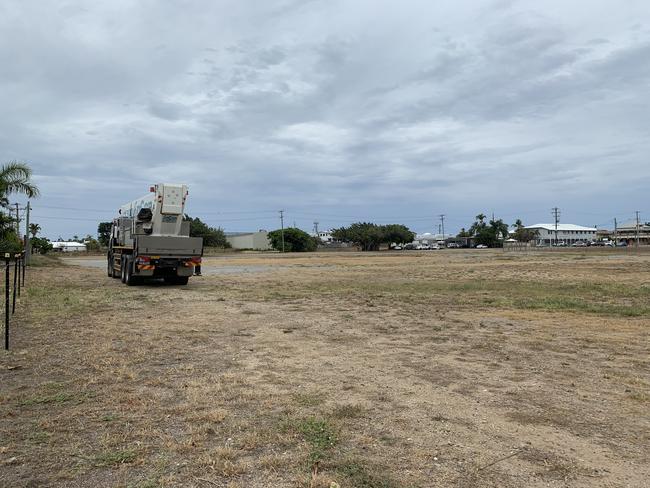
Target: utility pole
(282,227)
(556,216)
(637,228)
(615,232)
(316,228)
(28,247)
(17,221)
(442,225)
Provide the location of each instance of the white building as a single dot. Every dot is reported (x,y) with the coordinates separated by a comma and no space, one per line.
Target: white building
(430,239)
(258,241)
(72,246)
(566,233)
(325,236)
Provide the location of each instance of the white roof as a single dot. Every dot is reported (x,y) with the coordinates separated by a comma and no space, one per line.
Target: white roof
(67,244)
(561,227)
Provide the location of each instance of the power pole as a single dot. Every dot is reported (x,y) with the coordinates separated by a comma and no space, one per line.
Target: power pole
(28,247)
(17,221)
(316,227)
(615,232)
(442,225)
(637,228)
(282,227)
(556,216)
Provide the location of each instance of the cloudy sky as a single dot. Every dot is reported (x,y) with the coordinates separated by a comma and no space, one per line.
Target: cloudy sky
(335,111)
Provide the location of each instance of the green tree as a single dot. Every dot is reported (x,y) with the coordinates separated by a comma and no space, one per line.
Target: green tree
(491,233)
(91,243)
(369,236)
(398,234)
(212,237)
(104,233)
(15,177)
(40,245)
(34,229)
(295,240)
(522,234)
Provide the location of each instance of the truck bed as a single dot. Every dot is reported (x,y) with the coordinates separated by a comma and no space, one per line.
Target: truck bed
(169,245)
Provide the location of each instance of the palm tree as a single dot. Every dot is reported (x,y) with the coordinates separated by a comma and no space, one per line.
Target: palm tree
(34,229)
(15,178)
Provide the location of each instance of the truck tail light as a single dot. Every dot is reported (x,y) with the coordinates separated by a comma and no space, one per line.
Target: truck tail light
(143,260)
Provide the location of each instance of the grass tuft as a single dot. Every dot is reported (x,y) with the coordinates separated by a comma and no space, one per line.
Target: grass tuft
(114,458)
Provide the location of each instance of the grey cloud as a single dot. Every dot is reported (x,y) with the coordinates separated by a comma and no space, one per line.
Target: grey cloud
(380,107)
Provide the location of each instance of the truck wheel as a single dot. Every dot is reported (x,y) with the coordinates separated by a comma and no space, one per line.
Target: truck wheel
(130,280)
(123,270)
(110,266)
(181,280)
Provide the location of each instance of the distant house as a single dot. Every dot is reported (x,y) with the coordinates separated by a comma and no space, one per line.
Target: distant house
(72,246)
(257,241)
(627,232)
(566,233)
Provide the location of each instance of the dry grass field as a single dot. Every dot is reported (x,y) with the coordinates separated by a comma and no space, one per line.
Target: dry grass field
(386,370)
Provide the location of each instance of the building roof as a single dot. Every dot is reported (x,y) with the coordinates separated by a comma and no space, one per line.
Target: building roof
(630,225)
(67,244)
(561,227)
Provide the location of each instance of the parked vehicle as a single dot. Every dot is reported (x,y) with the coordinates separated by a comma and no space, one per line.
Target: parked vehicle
(481,246)
(453,245)
(149,239)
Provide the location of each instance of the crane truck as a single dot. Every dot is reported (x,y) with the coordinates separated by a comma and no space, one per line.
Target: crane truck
(150,239)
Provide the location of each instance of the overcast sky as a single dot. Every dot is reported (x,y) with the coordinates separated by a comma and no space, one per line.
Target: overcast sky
(336,111)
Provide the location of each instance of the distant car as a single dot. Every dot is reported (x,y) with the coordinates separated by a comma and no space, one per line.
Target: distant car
(579,244)
(481,246)
(621,244)
(397,248)
(453,245)
(434,247)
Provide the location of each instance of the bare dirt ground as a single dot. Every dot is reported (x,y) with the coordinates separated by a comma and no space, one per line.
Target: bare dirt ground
(450,368)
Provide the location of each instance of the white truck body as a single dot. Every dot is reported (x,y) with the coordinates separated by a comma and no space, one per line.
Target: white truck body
(150,239)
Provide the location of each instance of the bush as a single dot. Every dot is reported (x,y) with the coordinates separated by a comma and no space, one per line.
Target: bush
(40,245)
(295,240)
(10,243)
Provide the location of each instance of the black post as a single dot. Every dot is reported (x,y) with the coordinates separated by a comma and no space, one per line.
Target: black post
(24,263)
(7,301)
(16,272)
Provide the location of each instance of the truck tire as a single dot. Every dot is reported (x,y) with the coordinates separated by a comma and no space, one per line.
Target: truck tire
(123,270)
(110,265)
(129,278)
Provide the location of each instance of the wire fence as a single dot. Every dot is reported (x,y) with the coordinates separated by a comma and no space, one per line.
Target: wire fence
(16,263)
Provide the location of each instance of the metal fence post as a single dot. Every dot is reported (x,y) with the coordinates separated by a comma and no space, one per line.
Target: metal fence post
(24,263)
(16,274)
(7,257)
(17,271)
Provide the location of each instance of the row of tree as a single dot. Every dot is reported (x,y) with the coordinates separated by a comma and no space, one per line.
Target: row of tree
(492,233)
(366,235)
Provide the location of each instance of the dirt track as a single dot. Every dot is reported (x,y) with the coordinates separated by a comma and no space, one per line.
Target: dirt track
(373,370)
